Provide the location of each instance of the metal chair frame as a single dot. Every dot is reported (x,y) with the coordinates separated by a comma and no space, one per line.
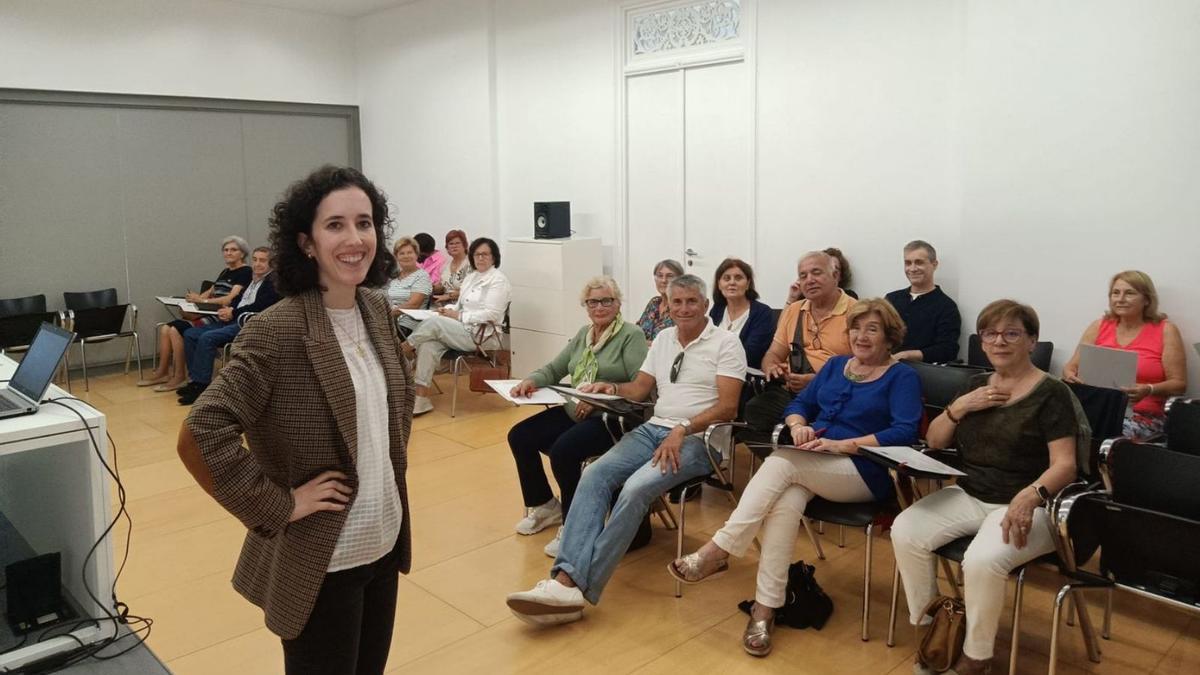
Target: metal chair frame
(131,312)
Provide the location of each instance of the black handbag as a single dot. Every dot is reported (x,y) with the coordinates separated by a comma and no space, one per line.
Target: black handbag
(797,358)
(805,605)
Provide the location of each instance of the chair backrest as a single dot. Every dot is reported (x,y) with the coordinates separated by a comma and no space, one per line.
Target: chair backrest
(99,321)
(940,384)
(1104,410)
(30,304)
(1152,477)
(1183,425)
(105,297)
(1042,352)
(17,331)
(1152,551)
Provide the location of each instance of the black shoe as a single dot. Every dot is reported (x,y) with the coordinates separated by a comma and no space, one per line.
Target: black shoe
(186,389)
(693,494)
(189,395)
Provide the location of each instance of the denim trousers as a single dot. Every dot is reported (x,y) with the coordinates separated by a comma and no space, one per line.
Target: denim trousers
(201,344)
(590,547)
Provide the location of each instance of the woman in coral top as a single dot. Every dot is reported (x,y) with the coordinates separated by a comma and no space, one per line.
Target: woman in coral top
(1134,323)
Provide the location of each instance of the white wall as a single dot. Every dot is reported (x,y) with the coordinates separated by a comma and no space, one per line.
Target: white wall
(204,48)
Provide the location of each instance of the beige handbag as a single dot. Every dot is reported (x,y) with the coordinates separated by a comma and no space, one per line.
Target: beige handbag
(943,642)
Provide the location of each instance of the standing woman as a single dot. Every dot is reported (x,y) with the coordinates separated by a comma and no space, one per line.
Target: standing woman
(317,385)
(656,316)
(411,288)
(1133,323)
(454,269)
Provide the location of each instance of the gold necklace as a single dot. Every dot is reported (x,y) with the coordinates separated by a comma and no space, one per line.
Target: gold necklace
(855,377)
(357,340)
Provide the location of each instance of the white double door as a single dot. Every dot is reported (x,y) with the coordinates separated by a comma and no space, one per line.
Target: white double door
(689,171)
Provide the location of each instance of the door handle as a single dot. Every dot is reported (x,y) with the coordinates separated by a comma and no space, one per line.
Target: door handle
(691,252)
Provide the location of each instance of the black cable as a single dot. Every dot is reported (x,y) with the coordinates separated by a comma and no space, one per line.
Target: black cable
(136,624)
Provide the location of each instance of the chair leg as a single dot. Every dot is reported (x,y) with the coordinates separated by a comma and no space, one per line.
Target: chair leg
(666,514)
(841,536)
(83,357)
(1055,620)
(866,611)
(454,390)
(679,536)
(1085,625)
(813,538)
(891,638)
(137,342)
(1107,634)
(1018,595)
(820,527)
(1071,610)
(949,570)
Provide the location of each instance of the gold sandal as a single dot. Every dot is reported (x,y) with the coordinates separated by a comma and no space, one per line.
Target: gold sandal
(687,569)
(757,638)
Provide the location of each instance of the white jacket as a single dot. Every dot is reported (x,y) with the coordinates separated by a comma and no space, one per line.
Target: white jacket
(484,297)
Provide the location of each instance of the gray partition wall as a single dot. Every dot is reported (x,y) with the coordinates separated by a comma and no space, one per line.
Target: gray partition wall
(136,192)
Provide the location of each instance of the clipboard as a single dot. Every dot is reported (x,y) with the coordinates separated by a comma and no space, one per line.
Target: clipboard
(605,402)
(914,461)
(1107,367)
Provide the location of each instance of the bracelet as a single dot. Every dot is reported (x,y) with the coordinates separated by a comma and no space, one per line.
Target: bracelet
(1151,389)
(954,419)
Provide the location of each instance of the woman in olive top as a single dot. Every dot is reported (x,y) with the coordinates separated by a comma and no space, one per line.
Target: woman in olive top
(608,349)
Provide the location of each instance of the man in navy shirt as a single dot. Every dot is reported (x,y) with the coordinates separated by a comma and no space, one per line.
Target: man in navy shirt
(931,316)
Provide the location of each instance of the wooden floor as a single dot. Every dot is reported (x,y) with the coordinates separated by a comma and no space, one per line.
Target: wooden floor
(451,616)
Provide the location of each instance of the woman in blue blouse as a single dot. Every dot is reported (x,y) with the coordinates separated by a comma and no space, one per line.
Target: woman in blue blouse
(868,398)
(736,308)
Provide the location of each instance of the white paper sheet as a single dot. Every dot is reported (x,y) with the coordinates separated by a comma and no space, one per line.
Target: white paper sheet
(571,391)
(419,314)
(167,300)
(914,459)
(540,397)
(755,372)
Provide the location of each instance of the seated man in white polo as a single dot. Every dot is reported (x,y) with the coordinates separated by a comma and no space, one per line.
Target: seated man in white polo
(698,369)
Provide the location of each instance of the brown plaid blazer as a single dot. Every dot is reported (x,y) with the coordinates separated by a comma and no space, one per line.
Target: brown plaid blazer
(288,390)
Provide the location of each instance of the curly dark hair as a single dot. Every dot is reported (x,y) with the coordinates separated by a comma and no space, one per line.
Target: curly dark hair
(491,244)
(295,272)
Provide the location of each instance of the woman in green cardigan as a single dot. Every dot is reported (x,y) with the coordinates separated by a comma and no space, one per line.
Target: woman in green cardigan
(608,349)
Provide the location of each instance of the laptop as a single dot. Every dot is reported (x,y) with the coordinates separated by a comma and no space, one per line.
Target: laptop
(33,375)
(1106,367)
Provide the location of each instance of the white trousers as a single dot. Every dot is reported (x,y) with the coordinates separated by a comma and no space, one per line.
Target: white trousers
(773,504)
(432,338)
(939,519)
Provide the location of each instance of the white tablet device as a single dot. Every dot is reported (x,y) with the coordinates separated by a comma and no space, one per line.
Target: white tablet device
(1106,367)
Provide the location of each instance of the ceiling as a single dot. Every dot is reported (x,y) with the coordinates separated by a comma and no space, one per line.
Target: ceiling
(348,8)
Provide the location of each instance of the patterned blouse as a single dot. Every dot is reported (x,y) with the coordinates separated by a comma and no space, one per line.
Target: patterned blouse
(654,318)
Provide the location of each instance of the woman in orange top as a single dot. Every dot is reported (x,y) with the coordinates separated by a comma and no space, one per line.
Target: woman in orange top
(1133,323)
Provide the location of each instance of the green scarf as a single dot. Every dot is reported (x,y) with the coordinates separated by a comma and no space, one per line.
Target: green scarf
(588,365)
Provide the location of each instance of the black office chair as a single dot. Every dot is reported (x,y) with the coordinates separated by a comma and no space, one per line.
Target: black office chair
(1042,352)
(30,304)
(491,351)
(1182,426)
(1144,551)
(95,316)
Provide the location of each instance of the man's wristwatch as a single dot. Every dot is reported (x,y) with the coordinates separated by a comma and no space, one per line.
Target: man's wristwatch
(1042,493)
(686,426)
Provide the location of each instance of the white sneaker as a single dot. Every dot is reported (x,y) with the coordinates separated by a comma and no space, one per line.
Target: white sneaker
(548,602)
(540,517)
(551,548)
(422,405)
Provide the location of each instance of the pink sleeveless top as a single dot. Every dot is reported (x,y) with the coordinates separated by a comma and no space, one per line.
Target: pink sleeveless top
(1149,347)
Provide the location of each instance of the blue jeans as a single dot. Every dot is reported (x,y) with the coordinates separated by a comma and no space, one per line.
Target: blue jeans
(200,346)
(590,548)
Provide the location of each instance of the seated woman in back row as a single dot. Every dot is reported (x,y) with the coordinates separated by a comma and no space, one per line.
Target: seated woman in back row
(483,299)
(736,308)
(869,398)
(1133,323)
(224,292)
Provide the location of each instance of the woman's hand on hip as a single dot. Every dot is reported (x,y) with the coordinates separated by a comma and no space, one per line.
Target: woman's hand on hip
(1018,520)
(326,492)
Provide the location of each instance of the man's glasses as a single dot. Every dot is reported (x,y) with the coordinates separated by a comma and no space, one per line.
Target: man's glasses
(1011,335)
(593,303)
(676,366)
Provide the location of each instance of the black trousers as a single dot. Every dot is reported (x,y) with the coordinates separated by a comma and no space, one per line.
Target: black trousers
(567,442)
(350,629)
(763,412)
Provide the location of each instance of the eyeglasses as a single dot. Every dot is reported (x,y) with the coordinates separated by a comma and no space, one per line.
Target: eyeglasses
(483,254)
(593,303)
(676,366)
(1011,335)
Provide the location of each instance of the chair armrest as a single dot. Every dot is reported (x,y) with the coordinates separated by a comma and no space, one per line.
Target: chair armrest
(244,317)
(776,432)
(1060,517)
(133,324)
(1104,462)
(719,425)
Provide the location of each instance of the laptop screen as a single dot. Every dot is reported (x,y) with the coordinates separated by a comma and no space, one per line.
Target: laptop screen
(37,368)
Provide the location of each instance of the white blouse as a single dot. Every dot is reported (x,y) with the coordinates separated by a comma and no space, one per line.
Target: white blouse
(373,523)
(484,297)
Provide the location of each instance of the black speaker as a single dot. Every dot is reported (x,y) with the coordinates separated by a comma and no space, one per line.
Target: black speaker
(34,593)
(551,220)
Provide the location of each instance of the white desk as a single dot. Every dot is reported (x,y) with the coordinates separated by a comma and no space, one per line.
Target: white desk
(54,490)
